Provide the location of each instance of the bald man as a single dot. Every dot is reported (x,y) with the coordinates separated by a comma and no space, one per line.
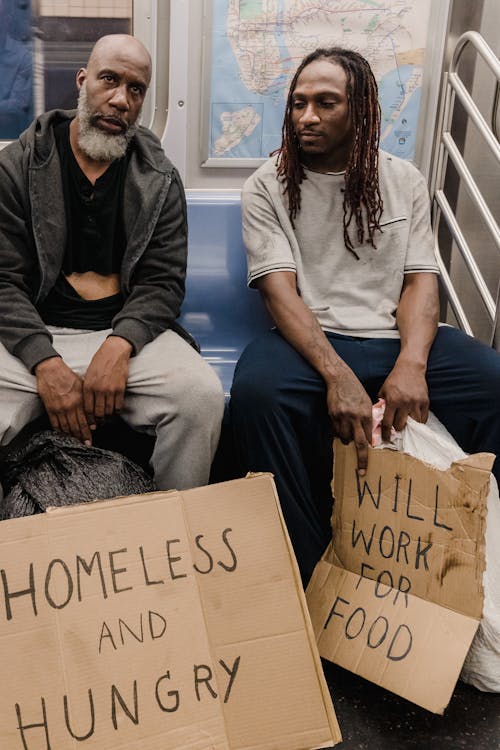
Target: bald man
(93,245)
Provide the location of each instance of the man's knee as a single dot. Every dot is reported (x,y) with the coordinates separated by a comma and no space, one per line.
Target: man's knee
(207,394)
(255,391)
(200,398)
(473,364)
(255,384)
(16,412)
(269,375)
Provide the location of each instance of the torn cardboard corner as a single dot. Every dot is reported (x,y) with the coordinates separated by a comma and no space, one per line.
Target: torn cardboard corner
(397,596)
(164,620)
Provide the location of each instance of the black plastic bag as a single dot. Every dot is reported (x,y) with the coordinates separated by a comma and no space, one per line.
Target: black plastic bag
(42,468)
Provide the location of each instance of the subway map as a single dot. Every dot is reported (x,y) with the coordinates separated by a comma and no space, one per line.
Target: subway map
(256,46)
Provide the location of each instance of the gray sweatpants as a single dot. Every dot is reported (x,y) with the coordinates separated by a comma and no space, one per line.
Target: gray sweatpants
(171,393)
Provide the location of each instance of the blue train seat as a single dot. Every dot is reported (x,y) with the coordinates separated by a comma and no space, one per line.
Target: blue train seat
(219,310)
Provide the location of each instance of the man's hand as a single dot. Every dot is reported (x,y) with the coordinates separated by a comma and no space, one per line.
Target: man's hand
(106,379)
(350,410)
(405,388)
(61,392)
(406,394)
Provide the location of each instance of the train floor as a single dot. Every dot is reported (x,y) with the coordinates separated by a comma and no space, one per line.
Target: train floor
(372,718)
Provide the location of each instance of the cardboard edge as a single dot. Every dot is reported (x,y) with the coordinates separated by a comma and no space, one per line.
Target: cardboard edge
(481,463)
(123,499)
(320,579)
(336,735)
(198,586)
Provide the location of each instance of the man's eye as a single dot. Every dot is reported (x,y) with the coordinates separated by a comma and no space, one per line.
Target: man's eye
(327,104)
(298,105)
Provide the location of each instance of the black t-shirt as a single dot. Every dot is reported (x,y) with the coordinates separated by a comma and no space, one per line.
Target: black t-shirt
(95,239)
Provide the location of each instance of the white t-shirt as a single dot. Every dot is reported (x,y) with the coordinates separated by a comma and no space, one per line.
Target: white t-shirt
(349,296)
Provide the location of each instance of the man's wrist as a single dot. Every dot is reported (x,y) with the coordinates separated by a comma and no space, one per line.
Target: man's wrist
(416,362)
(120,343)
(335,370)
(46,364)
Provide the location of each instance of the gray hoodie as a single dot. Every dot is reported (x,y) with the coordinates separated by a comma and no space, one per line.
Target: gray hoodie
(33,238)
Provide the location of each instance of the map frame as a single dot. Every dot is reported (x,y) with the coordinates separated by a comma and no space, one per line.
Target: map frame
(427,114)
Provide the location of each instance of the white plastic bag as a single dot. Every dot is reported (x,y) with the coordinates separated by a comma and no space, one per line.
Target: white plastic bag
(431,442)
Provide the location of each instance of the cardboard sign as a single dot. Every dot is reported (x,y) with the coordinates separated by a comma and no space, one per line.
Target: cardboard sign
(165,620)
(397,596)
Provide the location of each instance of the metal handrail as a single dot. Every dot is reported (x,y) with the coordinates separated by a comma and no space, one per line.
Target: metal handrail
(494,110)
(453,89)
(496,326)
(467,256)
(489,57)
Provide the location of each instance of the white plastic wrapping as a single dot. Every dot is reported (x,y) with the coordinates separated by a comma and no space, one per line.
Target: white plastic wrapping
(431,442)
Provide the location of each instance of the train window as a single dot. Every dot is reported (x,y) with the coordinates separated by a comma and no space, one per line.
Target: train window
(67,32)
(16,82)
(43,43)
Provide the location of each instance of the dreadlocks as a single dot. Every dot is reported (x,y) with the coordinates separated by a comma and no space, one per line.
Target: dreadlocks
(362,193)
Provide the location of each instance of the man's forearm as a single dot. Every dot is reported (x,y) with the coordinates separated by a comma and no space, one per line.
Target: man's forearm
(299,326)
(417,317)
(347,402)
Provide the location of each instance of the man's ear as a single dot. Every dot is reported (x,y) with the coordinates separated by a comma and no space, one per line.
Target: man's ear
(81,77)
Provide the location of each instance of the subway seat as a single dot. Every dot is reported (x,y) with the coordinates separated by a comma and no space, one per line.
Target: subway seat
(219,310)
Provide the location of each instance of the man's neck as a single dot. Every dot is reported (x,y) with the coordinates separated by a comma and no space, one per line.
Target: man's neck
(91,168)
(324,171)
(332,161)
(320,163)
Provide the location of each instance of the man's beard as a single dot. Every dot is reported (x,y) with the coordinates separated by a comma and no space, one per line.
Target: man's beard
(94,142)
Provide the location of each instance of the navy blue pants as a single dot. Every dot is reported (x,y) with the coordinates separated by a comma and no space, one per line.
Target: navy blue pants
(280,423)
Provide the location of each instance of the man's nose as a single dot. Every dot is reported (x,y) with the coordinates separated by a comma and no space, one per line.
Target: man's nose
(120,98)
(309,114)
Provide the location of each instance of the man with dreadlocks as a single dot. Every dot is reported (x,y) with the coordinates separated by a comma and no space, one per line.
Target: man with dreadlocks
(93,252)
(340,247)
